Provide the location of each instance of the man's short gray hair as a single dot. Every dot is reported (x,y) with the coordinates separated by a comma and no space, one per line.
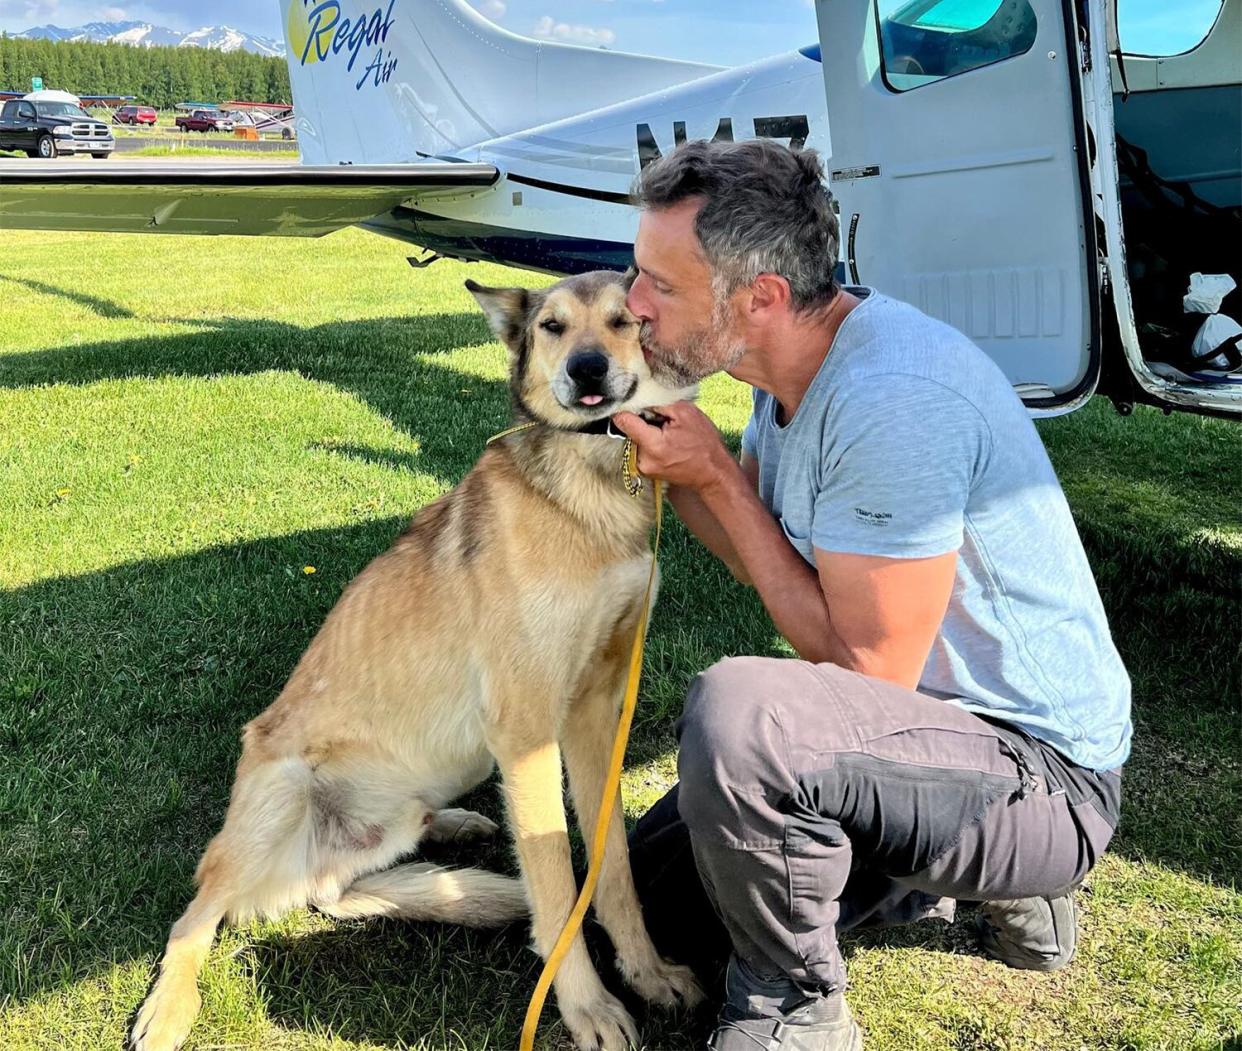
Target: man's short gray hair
(765,210)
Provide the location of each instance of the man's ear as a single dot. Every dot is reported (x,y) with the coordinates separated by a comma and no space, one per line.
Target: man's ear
(770,290)
(506,310)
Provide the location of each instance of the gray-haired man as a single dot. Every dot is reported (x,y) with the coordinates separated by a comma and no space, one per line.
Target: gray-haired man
(957,724)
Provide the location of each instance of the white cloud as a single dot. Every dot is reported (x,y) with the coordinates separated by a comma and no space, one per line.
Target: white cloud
(547,28)
(33,10)
(493,9)
(114,14)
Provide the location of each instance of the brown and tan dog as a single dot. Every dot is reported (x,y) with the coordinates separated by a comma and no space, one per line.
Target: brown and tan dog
(495,631)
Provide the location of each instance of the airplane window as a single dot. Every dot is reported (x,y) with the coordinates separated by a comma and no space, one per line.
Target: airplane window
(928,40)
(953,16)
(1155,29)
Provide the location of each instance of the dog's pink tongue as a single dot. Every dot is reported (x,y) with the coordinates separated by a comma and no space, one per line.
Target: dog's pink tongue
(591,399)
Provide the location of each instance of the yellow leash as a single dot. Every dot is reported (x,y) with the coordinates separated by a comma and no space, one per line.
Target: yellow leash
(633,483)
(510,430)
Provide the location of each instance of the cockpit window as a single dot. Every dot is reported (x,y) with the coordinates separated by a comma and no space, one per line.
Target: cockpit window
(923,41)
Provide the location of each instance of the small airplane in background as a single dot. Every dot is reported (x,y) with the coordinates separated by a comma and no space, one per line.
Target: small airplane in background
(992,162)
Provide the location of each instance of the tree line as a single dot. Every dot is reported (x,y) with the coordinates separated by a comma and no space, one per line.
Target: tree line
(155,76)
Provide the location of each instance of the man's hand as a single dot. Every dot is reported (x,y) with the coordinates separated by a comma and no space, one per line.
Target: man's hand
(687,451)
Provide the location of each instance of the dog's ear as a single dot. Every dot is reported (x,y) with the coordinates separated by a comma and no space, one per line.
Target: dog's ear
(506,310)
(628,278)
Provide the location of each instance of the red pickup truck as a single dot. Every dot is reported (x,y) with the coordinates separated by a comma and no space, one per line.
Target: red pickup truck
(203,120)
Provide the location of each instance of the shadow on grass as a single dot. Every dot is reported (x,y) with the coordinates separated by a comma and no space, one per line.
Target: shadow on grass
(447,987)
(450,988)
(103,307)
(1155,501)
(122,694)
(383,361)
(395,984)
(121,697)
(378,457)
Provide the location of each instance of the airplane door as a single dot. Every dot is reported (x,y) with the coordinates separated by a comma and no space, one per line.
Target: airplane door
(958,166)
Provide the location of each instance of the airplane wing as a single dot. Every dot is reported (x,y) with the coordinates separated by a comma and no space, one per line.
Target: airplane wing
(286,200)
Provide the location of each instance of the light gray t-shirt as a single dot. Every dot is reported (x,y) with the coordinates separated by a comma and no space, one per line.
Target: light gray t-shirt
(911,443)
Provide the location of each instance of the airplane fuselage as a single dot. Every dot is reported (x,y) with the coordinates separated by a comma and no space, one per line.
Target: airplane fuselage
(563,203)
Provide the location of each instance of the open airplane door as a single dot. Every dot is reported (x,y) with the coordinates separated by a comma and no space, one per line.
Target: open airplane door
(959,162)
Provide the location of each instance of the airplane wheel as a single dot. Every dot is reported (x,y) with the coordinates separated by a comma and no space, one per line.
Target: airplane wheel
(46,147)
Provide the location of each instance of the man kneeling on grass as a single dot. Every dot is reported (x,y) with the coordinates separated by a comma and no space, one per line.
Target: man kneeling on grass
(956,726)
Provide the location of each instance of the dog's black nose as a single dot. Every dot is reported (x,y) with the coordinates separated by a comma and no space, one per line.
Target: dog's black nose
(587,366)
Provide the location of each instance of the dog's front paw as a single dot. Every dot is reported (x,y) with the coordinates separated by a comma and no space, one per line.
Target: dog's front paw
(166,1016)
(601,1024)
(663,983)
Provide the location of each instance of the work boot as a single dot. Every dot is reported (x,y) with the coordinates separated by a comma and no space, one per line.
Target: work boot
(776,1014)
(1034,934)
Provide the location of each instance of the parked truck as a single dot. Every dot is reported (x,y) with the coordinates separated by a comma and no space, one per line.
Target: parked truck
(48,127)
(203,120)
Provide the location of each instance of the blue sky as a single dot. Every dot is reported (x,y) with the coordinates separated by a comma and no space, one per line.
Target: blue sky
(727,32)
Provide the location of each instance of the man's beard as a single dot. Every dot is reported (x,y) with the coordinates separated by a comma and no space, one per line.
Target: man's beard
(711,348)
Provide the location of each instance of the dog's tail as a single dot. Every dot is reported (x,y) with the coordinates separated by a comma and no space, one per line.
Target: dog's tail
(419,891)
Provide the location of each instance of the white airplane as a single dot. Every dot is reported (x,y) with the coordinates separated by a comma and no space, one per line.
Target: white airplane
(974,154)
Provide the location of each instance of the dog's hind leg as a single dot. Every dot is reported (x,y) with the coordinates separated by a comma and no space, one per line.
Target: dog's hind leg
(458,827)
(173,1003)
(261,849)
(363,803)
(293,832)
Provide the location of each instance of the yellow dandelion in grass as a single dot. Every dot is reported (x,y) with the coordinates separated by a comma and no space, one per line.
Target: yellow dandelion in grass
(308,570)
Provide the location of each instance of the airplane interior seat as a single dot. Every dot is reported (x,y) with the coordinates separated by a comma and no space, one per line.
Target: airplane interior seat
(1181,198)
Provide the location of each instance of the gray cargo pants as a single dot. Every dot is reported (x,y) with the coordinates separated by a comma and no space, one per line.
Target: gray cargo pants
(813,799)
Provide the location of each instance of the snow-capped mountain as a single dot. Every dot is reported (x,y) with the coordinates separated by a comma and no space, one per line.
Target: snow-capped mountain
(138,33)
(225,38)
(144,34)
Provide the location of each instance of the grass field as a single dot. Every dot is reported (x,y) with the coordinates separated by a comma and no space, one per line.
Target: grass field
(188,426)
(173,150)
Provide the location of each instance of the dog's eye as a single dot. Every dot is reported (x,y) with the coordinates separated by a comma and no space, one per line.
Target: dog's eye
(621,322)
(552,326)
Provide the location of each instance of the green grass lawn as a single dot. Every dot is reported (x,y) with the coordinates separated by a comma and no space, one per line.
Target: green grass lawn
(175,149)
(188,424)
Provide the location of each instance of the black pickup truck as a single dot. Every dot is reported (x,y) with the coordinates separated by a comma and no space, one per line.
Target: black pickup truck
(48,129)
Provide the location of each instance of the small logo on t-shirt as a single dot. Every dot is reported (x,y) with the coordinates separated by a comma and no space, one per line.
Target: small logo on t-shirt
(875,518)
